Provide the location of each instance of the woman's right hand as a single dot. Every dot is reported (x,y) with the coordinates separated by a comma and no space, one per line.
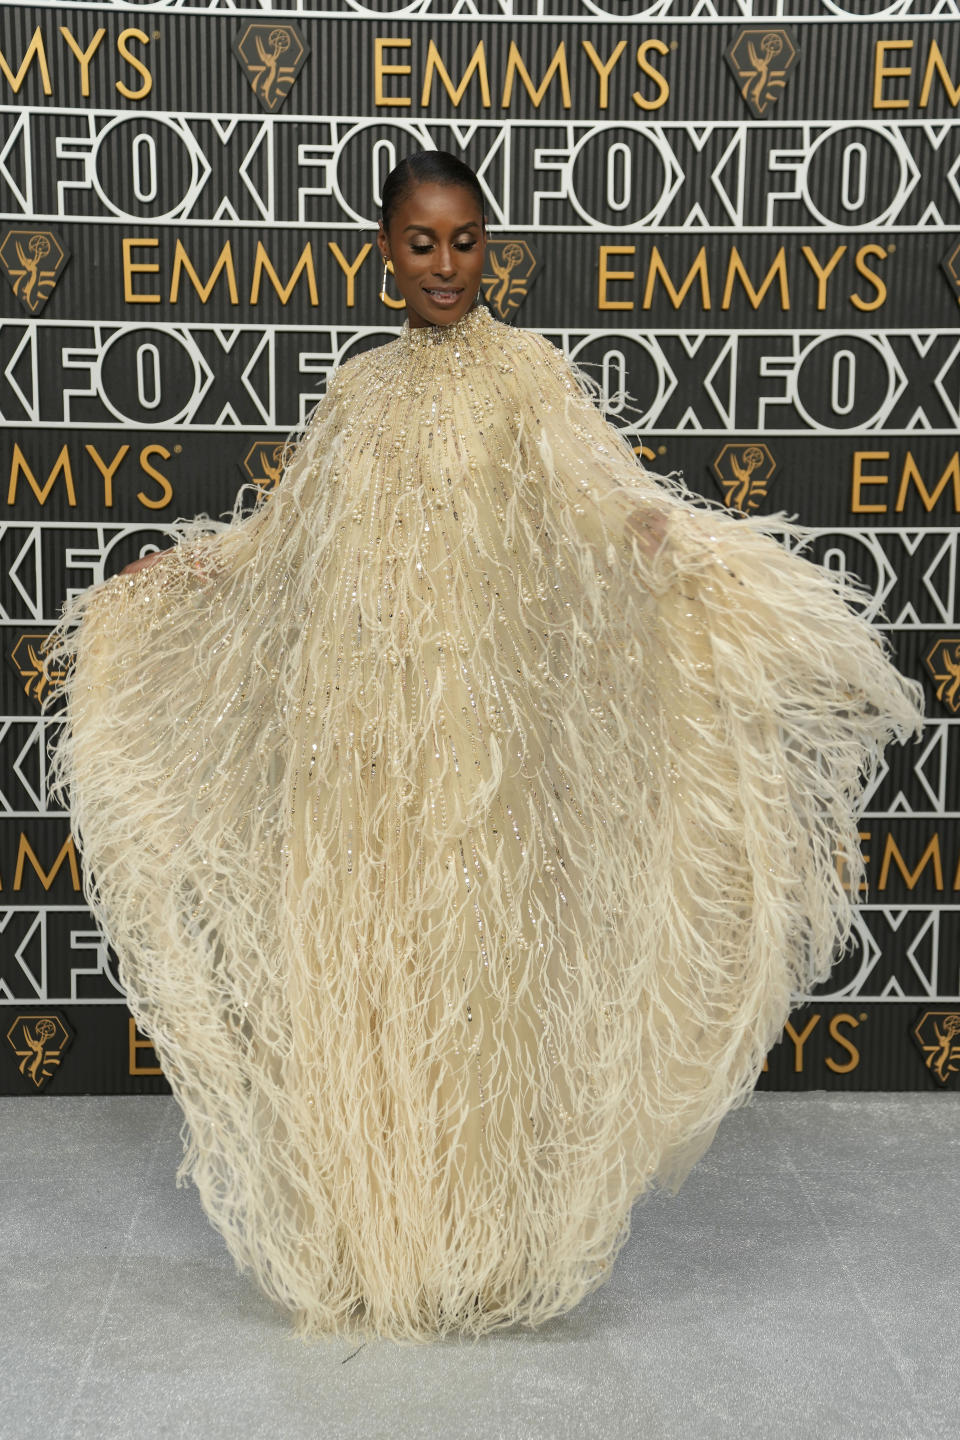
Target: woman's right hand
(143,561)
(649,526)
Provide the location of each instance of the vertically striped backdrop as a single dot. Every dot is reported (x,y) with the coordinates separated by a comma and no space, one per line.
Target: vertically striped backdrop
(745,213)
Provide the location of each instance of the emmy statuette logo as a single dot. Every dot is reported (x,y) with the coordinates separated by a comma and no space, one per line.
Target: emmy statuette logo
(33,262)
(760,61)
(943,662)
(937,1033)
(38,1041)
(272,57)
(743,473)
(262,463)
(511,266)
(27,659)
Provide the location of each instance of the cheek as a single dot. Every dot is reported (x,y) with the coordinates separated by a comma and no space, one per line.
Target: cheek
(401,269)
(412,264)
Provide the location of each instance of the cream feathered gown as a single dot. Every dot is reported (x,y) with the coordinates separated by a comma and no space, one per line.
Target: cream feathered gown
(465,819)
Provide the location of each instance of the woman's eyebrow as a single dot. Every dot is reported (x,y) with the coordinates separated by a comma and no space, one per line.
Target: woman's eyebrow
(428,230)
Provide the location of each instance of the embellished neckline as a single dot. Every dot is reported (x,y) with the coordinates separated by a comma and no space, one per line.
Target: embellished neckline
(421,336)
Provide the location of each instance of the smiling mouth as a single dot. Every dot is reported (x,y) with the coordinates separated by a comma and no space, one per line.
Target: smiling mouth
(446,292)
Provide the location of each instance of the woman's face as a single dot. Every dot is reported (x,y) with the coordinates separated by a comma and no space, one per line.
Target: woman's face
(437,243)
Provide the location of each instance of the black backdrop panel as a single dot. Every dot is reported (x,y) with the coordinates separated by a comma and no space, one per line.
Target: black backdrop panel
(747,225)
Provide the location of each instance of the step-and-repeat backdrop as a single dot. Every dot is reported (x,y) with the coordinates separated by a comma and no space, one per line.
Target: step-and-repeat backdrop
(744,213)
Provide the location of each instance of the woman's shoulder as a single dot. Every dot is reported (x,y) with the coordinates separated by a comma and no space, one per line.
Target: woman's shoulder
(364,364)
(535,344)
(549,357)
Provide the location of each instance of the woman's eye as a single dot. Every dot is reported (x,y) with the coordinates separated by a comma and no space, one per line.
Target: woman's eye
(423,248)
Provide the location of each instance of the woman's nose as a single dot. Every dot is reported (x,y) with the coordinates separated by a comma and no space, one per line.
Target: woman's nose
(444,264)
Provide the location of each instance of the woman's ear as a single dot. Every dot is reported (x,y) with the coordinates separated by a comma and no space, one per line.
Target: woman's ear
(383,244)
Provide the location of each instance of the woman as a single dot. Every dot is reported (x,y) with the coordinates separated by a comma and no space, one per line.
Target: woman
(466,819)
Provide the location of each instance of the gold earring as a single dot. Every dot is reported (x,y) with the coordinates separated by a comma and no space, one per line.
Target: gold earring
(387,299)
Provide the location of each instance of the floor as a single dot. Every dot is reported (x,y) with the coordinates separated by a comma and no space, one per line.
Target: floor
(803,1283)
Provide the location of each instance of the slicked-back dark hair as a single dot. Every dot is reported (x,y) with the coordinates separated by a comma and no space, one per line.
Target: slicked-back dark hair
(430,167)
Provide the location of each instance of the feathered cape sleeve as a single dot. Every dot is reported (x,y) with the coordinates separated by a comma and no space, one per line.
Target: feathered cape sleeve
(158,679)
(769,683)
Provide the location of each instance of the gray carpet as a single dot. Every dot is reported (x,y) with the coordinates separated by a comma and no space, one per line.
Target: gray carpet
(802,1284)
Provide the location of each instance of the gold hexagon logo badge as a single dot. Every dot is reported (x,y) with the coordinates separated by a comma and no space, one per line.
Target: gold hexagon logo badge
(943,662)
(33,262)
(937,1033)
(761,60)
(743,472)
(272,57)
(38,1041)
(511,266)
(27,659)
(950,265)
(263,463)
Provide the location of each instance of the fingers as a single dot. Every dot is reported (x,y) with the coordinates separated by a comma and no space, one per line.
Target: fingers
(142,562)
(649,526)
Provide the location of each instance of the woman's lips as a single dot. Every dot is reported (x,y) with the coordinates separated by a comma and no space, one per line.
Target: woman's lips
(443,296)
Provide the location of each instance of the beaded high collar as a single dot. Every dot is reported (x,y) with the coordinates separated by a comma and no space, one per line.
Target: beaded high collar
(476,318)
